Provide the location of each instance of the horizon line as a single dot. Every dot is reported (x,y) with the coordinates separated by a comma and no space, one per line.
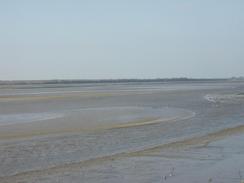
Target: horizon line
(70,81)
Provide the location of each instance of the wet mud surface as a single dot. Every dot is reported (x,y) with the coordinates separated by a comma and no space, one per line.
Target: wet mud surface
(123,133)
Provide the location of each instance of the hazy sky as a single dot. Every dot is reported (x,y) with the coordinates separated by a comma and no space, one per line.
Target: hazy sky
(78,39)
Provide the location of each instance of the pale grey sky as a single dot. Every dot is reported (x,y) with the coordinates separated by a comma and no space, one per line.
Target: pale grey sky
(94,39)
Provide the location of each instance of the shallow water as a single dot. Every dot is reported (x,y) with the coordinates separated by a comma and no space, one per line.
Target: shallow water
(181,111)
(10,119)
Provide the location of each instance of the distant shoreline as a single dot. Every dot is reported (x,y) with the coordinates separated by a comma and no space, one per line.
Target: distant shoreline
(90,81)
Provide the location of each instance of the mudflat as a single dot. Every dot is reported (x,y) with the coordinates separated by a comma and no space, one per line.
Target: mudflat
(127,132)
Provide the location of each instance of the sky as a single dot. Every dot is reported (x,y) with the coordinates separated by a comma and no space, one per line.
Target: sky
(115,39)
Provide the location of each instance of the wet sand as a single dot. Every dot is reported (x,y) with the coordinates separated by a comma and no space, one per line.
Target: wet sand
(123,133)
(176,152)
(93,119)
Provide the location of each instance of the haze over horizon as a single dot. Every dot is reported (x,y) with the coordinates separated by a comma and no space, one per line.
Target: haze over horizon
(71,39)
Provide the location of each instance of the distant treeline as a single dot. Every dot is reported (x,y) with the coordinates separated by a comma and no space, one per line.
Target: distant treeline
(75,81)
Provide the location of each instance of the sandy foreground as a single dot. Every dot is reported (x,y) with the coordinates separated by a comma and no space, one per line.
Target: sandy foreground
(216,157)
